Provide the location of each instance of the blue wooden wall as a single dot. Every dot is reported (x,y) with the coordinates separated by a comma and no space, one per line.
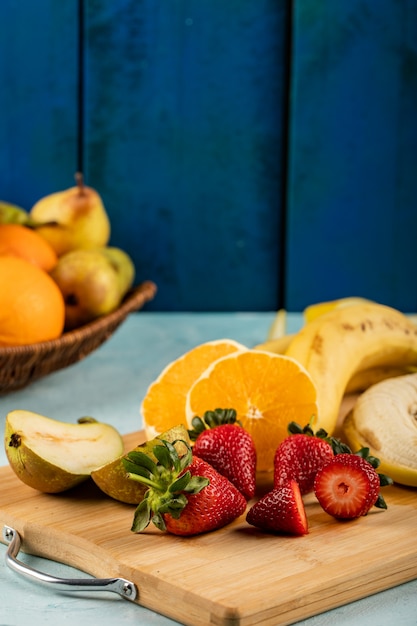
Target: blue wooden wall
(251,155)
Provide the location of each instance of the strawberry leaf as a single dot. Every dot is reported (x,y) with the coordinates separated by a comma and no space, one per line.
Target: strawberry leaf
(211,419)
(142,460)
(385,480)
(158,521)
(167,482)
(165,457)
(380,502)
(181,483)
(196,484)
(136,469)
(142,516)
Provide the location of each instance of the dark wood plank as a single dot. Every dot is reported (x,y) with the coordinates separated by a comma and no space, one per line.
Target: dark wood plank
(352,218)
(184,138)
(38,100)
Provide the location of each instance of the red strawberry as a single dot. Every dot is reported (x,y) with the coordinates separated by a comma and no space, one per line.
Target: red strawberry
(280,510)
(185,496)
(300,456)
(348,486)
(228,447)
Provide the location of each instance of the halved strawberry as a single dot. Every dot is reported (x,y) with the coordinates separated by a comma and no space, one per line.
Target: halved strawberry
(185,496)
(348,486)
(280,510)
(302,454)
(220,440)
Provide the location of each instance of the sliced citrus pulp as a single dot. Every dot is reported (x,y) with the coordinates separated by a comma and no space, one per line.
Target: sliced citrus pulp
(267,391)
(163,406)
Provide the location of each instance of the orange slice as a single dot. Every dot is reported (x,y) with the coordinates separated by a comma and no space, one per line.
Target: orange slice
(267,392)
(163,406)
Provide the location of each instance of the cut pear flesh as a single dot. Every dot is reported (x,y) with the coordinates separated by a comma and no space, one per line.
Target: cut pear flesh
(53,456)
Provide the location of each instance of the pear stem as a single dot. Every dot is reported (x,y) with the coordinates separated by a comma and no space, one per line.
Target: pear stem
(79,179)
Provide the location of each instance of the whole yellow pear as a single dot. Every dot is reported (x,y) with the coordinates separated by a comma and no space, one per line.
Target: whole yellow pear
(123,265)
(73,218)
(92,282)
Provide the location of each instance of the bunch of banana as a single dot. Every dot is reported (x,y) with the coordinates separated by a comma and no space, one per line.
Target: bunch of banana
(384,419)
(349,348)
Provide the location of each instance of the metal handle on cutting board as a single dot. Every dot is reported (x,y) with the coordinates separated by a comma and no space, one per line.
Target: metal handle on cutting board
(123,587)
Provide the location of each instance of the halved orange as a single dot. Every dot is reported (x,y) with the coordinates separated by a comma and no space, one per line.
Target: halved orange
(267,392)
(163,406)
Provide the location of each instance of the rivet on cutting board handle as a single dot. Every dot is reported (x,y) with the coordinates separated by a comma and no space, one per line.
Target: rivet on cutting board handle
(121,586)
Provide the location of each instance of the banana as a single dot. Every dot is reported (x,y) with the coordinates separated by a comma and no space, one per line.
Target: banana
(277,345)
(315,310)
(364,379)
(278,326)
(348,340)
(384,420)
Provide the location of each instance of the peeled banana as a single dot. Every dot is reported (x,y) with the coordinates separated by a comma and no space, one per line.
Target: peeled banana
(384,419)
(348,340)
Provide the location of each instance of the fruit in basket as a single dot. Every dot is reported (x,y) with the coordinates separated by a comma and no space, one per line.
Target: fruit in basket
(31,304)
(280,510)
(26,243)
(53,456)
(348,486)
(112,479)
(347,340)
(164,403)
(123,265)
(185,496)
(221,441)
(73,218)
(14,214)
(93,282)
(384,420)
(267,392)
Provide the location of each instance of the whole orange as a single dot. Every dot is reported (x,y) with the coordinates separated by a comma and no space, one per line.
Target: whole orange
(21,241)
(32,306)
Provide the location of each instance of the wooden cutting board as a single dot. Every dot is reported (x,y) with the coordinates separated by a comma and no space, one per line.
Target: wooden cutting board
(236,576)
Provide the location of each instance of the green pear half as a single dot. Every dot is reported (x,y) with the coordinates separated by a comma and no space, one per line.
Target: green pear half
(53,456)
(112,479)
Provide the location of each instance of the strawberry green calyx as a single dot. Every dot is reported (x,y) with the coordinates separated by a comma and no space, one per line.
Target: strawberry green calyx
(167,480)
(211,419)
(337,445)
(384,480)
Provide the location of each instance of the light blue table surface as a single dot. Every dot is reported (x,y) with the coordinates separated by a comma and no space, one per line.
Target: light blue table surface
(110,385)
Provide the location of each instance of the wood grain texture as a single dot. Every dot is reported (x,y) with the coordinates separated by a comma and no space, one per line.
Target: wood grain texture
(353,141)
(181,124)
(39,98)
(184,137)
(236,576)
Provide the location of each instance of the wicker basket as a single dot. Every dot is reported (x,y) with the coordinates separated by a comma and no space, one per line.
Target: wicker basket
(21,365)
